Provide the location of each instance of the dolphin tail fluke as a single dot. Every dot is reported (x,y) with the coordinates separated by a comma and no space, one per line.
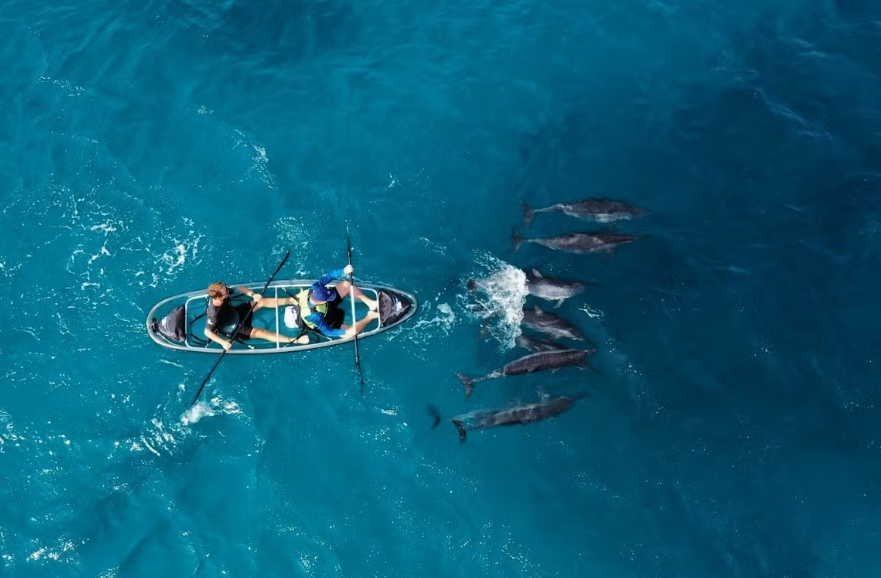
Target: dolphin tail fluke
(516,239)
(528,215)
(463,433)
(468,383)
(434,412)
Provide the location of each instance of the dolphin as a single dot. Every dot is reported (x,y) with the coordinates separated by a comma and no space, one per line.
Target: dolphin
(599,210)
(536,345)
(541,361)
(579,242)
(521,414)
(551,324)
(550,288)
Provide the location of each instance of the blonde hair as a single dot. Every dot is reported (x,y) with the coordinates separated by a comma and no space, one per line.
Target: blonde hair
(216,289)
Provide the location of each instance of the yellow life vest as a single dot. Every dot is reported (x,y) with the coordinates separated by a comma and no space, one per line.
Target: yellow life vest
(307,308)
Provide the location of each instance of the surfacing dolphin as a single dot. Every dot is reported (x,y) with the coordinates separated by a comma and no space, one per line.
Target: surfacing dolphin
(599,210)
(537,285)
(521,414)
(551,324)
(550,288)
(541,361)
(579,242)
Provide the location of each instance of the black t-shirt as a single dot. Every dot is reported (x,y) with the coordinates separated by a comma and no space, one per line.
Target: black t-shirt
(220,316)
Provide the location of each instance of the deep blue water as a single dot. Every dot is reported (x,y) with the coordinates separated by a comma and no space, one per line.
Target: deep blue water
(148,148)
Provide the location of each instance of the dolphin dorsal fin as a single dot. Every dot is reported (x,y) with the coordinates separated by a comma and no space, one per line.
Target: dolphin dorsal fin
(536,273)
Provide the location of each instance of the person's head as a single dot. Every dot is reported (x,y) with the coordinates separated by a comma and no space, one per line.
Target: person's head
(218,290)
(322,294)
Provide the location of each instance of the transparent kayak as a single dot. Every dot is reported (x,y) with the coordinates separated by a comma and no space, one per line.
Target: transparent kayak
(179,322)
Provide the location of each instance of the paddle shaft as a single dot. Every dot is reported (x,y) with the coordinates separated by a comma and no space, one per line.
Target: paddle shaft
(354,320)
(235,332)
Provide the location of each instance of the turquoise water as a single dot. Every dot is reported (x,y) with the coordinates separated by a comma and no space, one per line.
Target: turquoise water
(149,148)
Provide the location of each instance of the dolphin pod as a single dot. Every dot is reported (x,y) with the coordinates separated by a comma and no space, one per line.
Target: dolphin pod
(547,355)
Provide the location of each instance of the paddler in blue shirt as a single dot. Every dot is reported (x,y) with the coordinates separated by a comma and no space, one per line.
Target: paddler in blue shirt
(320,305)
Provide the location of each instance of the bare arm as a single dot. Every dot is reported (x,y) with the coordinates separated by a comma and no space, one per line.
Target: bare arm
(224,343)
(245,291)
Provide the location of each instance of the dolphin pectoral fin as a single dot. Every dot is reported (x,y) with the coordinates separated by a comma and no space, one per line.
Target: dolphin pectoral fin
(559,302)
(463,433)
(434,412)
(468,383)
(516,239)
(537,274)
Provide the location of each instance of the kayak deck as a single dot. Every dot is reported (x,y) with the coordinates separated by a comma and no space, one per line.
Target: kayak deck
(396,307)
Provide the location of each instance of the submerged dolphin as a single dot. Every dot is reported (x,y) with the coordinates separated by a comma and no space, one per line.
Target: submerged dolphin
(536,345)
(600,210)
(579,242)
(550,288)
(551,324)
(522,414)
(541,361)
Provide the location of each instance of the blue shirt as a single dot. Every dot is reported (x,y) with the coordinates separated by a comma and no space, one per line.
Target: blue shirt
(317,318)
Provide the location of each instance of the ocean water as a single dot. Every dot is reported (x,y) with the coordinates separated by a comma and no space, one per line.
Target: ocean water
(148,148)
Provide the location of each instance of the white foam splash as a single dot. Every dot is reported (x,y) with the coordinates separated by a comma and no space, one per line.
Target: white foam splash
(444,319)
(498,299)
(292,233)
(261,165)
(590,312)
(432,246)
(260,160)
(70,88)
(52,554)
(215,406)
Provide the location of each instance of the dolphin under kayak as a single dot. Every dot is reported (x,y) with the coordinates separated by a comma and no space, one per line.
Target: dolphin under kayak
(179,322)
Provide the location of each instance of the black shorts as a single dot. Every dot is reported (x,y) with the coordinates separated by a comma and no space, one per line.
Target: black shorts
(335,314)
(242,309)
